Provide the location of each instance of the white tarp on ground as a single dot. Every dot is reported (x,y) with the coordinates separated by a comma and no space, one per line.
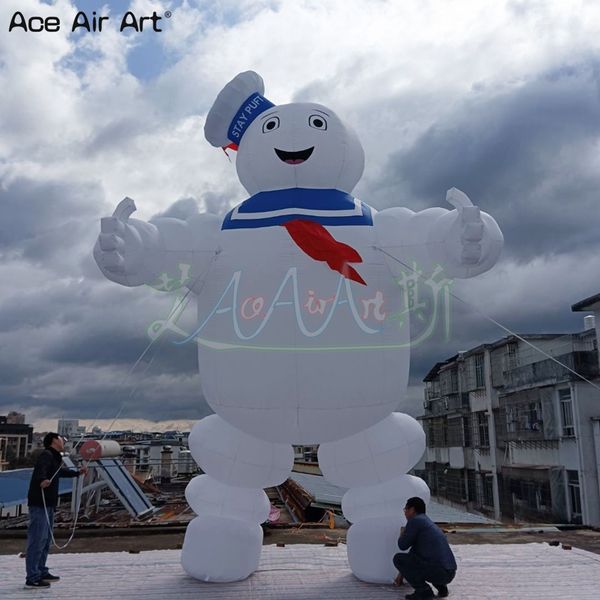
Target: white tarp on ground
(305,572)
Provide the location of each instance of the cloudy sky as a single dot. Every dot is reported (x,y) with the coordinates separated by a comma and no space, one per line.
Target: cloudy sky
(500,99)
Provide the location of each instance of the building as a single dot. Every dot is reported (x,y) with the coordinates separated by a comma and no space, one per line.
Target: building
(15,438)
(3,461)
(14,486)
(515,434)
(70,428)
(306,454)
(15,418)
(148,458)
(71,431)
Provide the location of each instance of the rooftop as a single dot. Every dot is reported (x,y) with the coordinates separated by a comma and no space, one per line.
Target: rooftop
(587,304)
(308,572)
(14,486)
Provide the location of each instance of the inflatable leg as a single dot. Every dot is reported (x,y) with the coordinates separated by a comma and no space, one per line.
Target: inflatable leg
(224,541)
(373,464)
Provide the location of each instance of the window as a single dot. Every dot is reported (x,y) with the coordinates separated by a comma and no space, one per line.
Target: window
(482,429)
(511,420)
(453,381)
(455,432)
(488,490)
(574,494)
(510,357)
(429,433)
(464,400)
(471,486)
(479,373)
(467,432)
(433,389)
(534,416)
(566,412)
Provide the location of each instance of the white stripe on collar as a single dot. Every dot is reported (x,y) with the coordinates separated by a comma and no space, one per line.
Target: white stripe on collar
(309,212)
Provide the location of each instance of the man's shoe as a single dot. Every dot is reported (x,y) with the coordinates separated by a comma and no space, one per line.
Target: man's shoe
(40,583)
(442,590)
(420,595)
(50,577)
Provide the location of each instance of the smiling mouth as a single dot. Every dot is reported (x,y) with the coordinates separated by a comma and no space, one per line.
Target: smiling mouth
(294,158)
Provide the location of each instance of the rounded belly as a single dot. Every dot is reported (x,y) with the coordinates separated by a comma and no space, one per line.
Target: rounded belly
(313,399)
(291,351)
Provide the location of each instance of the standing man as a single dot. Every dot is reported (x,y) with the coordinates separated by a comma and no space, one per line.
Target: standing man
(430,558)
(43,488)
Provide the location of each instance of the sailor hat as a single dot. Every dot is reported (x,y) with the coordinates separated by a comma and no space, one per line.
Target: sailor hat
(236,106)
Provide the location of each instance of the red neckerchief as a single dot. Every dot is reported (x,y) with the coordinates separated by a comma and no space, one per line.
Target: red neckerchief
(315,241)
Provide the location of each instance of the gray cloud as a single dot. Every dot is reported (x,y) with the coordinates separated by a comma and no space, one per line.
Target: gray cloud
(30,208)
(183,208)
(116,136)
(48,223)
(524,155)
(65,347)
(63,363)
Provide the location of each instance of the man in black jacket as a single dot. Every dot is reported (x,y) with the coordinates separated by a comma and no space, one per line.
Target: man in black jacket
(430,558)
(42,501)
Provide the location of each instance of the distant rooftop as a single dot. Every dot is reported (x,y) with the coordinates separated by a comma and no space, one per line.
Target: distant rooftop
(588,304)
(309,572)
(450,362)
(326,493)
(14,486)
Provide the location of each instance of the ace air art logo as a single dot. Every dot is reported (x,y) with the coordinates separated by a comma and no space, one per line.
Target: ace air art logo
(86,22)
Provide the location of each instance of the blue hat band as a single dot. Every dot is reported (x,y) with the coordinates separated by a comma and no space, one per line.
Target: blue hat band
(253,106)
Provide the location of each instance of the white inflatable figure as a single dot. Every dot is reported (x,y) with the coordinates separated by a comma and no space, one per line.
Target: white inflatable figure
(296,289)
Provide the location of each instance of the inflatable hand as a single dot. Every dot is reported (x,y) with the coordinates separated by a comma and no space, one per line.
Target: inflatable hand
(471,226)
(118,239)
(465,241)
(124,244)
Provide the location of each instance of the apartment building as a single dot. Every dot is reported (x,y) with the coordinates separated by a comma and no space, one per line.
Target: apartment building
(511,428)
(15,438)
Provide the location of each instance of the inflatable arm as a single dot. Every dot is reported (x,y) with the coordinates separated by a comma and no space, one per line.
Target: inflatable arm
(465,242)
(132,252)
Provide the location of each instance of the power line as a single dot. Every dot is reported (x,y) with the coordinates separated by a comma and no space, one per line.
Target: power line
(495,322)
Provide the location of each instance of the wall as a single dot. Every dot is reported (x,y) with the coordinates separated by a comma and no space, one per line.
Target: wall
(587,405)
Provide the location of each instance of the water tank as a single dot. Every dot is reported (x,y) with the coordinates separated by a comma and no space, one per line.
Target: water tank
(185,463)
(97,449)
(166,464)
(589,322)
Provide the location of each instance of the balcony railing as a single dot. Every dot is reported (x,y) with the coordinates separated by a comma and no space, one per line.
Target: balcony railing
(584,363)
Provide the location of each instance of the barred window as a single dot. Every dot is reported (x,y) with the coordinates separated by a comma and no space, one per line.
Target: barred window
(511,357)
(481,427)
(479,371)
(566,412)
(574,494)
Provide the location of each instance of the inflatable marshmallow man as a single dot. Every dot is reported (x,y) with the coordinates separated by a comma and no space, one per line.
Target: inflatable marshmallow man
(296,287)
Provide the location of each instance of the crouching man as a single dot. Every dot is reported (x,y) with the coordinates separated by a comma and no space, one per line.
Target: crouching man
(429,559)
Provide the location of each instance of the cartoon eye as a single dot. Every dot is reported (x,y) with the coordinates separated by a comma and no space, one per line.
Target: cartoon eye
(271,124)
(317,122)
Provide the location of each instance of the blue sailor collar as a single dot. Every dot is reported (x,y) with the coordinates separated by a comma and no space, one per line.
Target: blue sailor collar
(327,207)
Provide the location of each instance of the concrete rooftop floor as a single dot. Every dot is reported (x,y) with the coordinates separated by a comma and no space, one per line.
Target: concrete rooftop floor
(310,572)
